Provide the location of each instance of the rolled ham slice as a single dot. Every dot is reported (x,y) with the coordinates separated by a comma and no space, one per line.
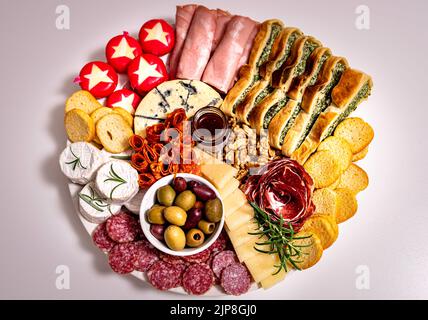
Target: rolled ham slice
(223,18)
(247,50)
(197,47)
(223,64)
(183,19)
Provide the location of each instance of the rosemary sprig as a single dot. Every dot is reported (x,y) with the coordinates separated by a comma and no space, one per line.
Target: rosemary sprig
(125,157)
(95,202)
(281,239)
(76,162)
(114,177)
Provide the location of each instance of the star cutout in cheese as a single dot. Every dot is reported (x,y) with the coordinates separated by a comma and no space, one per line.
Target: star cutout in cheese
(96,76)
(123,50)
(125,102)
(157,33)
(146,70)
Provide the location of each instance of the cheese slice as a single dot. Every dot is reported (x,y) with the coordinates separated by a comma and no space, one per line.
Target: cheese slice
(233,202)
(80,161)
(134,204)
(191,95)
(273,279)
(242,234)
(262,265)
(117,181)
(218,173)
(231,186)
(247,250)
(93,207)
(240,217)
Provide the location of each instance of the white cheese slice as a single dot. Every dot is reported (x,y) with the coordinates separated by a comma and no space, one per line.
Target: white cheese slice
(231,186)
(117,181)
(242,234)
(243,215)
(234,201)
(247,251)
(80,161)
(93,207)
(219,174)
(134,204)
(273,279)
(191,95)
(262,265)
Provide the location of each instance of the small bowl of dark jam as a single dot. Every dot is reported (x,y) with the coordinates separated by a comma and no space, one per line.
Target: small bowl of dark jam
(209,126)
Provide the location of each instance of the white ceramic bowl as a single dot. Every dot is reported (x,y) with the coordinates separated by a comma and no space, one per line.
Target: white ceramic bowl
(150,198)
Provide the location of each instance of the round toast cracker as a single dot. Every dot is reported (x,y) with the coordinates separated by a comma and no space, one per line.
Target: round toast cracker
(356,132)
(340,149)
(325,227)
(347,204)
(323,167)
(79,126)
(311,248)
(114,133)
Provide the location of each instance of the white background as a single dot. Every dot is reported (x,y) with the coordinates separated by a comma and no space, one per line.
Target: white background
(39,229)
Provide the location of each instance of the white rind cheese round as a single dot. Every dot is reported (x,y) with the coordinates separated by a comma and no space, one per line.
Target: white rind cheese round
(80,161)
(93,207)
(117,181)
(191,95)
(134,204)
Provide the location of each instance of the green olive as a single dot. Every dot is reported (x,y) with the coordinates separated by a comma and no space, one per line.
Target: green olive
(185,200)
(175,215)
(213,210)
(175,238)
(206,227)
(195,238)
(166,195)
(155,215)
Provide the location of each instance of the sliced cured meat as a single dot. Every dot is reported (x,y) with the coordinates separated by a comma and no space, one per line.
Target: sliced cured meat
(235,279)
(171,259)
(200,257)
(198,279)
(221,68)
(101,238)
(145,255)
(121,258)
(222,260)
(246,54)
(165,276)
(123,227)
(183,19)
(218,245)
(223,18)
(197,47)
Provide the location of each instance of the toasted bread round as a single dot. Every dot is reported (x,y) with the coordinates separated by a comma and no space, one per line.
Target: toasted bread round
(82,100)
(97,115)
(325,227)
(360,155)
(325,201)
(323,167)
(334,184)
(356,132)
(114,133)
(126,115)
(79,126)
(354,178)
(340,149)
(347,204)
(311,248)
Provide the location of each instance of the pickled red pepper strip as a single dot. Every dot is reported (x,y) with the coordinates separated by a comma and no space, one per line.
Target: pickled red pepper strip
(139,163)
(137,142)
(145,180)
(150,155)
(154,132)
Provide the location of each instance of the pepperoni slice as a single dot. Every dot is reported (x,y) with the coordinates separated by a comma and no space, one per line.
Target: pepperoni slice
(235,279)
(122,227)
(198,279)
(222,260)
(145,255)
(165,276)
(121,258)
(200,257)
(171,259)
(101,238)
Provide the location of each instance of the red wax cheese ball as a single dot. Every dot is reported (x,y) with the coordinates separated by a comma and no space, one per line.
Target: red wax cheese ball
(121,50)
(98,78)
(146,72)
(157,37)
(125,99)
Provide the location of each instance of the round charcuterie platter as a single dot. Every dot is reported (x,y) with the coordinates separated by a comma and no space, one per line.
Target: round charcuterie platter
(217,155)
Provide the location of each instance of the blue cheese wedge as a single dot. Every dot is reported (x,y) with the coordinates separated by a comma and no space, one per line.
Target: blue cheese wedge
(93,207)
(191,95)
(117,181)
(80,161)
(134,204)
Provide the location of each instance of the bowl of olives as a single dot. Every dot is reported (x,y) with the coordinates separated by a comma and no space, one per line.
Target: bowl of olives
(182,214)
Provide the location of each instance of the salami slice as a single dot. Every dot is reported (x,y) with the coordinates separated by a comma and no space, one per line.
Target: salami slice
(171,259)
(222,260)
(164,276)
(200,257)
(198,279)
(101,238)
(235,279)
(145,255)
(220,244)
(121,258)
(122,227)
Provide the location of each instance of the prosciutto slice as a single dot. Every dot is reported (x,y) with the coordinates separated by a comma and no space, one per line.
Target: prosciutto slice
(223,18)
(222,66)
(282,187)
(197,47)
(183,19)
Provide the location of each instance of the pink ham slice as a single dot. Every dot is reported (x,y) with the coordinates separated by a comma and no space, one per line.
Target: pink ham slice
(197,47)
(222,66)
(223,18)
(183,19)
(247,50)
